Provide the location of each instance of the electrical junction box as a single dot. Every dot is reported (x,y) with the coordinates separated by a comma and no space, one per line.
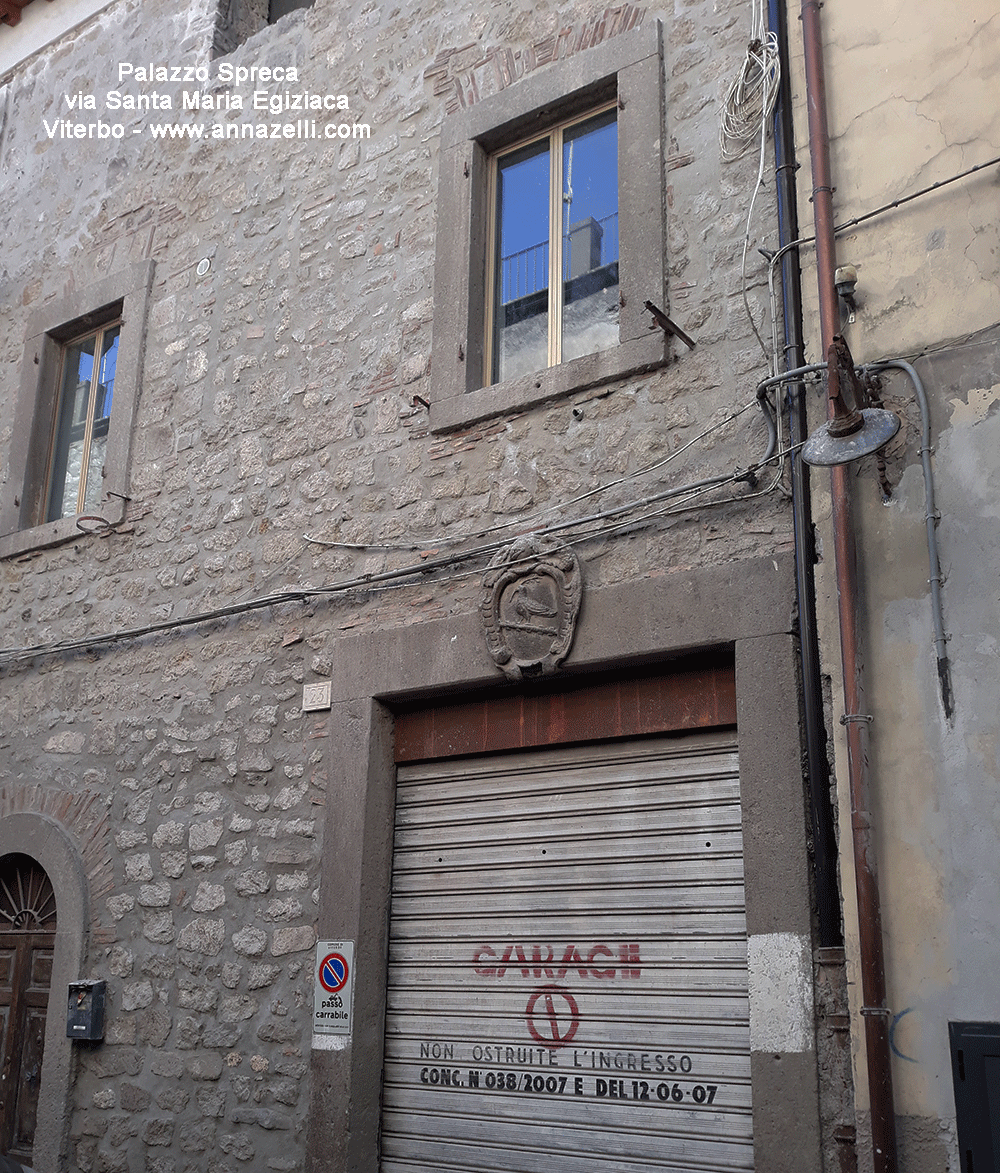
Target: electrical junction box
(85,1012)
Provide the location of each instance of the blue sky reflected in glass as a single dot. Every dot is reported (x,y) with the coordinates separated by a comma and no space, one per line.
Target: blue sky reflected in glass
(590,173)
(109,363)
(523,217)
(587,231)
(590,189)
(85,369)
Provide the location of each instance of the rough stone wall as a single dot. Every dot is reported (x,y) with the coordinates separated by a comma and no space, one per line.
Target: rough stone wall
(282,396)
(235,21)
(214,785)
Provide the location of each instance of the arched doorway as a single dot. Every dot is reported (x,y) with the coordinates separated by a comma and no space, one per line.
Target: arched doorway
(27,948)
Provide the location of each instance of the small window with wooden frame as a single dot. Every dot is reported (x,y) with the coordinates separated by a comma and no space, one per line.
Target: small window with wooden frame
(80,437)
(553,247)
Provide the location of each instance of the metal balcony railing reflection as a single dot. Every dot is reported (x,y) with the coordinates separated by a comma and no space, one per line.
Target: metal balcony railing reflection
(587,245)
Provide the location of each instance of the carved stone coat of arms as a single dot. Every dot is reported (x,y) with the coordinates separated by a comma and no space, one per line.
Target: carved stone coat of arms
(530,602)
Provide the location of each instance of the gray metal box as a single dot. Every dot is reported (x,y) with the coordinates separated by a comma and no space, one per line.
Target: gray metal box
(85,1010)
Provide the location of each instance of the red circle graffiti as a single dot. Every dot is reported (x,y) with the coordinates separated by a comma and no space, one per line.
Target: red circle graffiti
(561,1021)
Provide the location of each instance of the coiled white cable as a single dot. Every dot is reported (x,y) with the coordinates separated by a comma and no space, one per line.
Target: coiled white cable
(754,91)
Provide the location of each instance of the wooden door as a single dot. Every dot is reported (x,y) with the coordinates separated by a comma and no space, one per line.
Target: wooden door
(27,944)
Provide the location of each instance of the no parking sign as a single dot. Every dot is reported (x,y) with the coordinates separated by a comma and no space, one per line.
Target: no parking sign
(333,981)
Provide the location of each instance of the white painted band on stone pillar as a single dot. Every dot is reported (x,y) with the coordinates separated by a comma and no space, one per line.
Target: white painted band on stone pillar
(330,1042)
(781,994)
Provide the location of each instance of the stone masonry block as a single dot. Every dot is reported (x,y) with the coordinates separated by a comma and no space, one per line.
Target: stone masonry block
(203,936)
(292,940)
(205,834)
(137,995)
(208,898)
(206,1066)
(250,941)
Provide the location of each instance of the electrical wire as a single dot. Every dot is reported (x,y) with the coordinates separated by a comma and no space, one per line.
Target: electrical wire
(974,338)
(775,257)
(751,96)
(753,86)
(931,518)
(746,110)
(746,113)
(528,519)
(769,357)
(367,581)
(687,494)
(913,196)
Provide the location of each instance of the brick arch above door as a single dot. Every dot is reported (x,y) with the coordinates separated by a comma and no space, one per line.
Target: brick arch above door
(83,819)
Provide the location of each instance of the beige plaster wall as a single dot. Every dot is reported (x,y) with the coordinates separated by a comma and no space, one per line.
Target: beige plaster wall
(912,102)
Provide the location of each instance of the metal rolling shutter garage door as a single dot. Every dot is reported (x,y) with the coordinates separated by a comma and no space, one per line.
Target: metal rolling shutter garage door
(567,970)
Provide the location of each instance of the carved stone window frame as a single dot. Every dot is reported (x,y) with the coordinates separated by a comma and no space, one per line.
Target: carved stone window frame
(627,68)
(22,507)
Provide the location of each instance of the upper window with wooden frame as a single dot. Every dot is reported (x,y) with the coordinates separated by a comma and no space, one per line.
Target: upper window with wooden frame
(554,248)
(72,432)
(80,439)
(551,234)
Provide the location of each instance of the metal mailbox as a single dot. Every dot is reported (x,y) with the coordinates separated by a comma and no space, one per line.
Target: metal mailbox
(85,1010)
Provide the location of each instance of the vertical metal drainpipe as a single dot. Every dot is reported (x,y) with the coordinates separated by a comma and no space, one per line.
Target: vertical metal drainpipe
(875,1013)
(824,840)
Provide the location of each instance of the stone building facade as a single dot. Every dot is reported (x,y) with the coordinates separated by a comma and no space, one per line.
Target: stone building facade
(274,595)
